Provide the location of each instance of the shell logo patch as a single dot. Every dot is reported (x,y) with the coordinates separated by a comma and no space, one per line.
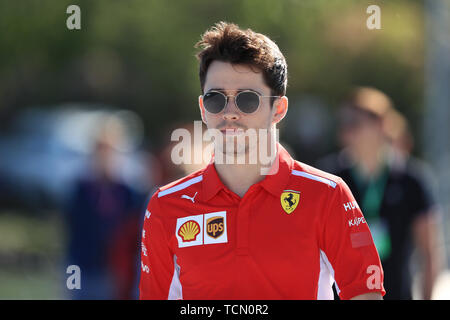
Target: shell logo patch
(202,229)
(189,231)
(289,200)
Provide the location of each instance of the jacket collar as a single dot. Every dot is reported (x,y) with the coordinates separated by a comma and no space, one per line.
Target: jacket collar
(274,182)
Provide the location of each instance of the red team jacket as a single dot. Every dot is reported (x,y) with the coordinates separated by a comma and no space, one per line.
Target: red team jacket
(291,236)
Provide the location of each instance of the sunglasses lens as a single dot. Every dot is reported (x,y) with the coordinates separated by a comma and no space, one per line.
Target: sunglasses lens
(214,102)
(247,101)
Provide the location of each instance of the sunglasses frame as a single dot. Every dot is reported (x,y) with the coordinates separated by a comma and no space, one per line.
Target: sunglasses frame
(235,96)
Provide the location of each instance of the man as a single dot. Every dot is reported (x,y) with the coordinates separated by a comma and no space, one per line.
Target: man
(230,232)
(390,187)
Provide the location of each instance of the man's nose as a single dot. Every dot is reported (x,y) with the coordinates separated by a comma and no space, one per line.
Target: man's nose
(231,111)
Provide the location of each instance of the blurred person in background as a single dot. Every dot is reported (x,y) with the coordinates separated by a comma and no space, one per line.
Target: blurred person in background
(399,136)
(103,221)
(390,187)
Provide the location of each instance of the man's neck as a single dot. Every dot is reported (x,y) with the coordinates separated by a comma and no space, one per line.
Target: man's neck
(240,177)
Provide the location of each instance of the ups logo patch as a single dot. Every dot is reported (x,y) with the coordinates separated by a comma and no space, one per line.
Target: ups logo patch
(214,227)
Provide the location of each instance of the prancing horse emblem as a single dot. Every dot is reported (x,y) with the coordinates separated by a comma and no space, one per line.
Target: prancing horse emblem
(289,200)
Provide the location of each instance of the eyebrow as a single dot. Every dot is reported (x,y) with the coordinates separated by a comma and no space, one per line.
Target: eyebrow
(238,90)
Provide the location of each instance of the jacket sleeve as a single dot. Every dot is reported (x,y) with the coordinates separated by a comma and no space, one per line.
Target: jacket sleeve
(348,245)
(157,260)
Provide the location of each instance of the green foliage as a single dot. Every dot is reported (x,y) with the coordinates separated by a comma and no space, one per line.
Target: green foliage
(139,54)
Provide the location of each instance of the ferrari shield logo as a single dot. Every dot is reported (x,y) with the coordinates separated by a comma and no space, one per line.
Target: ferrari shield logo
(289,200)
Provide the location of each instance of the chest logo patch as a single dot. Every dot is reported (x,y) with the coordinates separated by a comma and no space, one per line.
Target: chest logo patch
(289,200)
(202,229)
(214,227)
(189,231)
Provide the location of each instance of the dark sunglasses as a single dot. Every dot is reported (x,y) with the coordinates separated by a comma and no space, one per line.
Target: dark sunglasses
(246,101)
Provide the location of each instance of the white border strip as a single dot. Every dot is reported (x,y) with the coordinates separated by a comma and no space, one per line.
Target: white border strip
(181,186)
(313,177)
(326,279)
(176,289)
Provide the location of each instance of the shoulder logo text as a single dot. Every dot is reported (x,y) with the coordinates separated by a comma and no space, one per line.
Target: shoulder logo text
(350,205)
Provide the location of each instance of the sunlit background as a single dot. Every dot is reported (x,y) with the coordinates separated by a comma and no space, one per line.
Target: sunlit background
(130,77)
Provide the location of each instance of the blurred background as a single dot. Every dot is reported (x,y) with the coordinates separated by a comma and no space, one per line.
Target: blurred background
(86,117)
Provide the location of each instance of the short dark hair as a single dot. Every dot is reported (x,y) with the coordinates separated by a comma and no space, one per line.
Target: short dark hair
(227,42)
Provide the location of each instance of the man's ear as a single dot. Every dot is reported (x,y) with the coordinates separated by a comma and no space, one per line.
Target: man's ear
(202,108)
(280,108)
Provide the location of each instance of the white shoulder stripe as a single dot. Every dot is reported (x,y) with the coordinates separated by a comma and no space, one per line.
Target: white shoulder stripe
(180,186)
(313,177)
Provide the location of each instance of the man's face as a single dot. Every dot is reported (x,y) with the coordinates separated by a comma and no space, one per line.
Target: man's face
(231,79)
